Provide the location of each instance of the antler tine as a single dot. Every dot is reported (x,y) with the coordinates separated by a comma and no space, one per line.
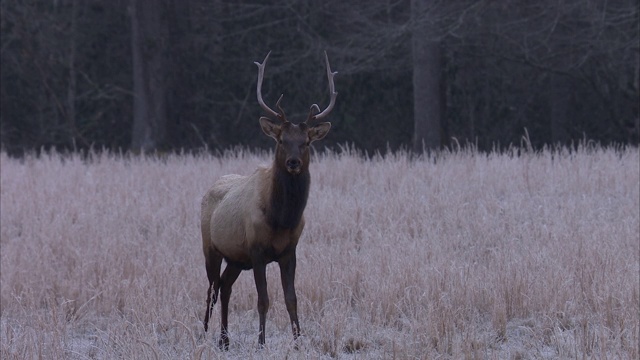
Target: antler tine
(332,91)
(259,87)
(314,108)
(281,115)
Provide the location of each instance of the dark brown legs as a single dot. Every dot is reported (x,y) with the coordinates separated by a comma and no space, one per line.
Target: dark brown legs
(213,263)
(224,283)
(259,275)
(229,276)
(288,275)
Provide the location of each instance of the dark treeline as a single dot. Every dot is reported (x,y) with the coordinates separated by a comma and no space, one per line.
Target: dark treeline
(178,74)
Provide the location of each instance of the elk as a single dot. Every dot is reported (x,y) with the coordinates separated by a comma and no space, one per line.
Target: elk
(251,221)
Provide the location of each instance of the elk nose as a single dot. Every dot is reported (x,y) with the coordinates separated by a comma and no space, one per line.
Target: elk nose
(293,164)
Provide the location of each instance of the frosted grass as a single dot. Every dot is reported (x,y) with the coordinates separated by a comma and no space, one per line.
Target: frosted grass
(465,256)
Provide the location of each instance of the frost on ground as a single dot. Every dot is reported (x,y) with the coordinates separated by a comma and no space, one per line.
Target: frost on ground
(467,255)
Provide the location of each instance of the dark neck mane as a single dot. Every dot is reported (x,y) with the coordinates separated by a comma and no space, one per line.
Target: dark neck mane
(289,195)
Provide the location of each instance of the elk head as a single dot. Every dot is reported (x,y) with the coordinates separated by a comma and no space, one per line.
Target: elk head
(293,140)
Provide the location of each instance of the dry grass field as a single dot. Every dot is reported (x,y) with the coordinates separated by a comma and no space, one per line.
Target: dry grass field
(472,256)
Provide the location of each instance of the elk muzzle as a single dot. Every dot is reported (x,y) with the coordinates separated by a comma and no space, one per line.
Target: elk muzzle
(294,165)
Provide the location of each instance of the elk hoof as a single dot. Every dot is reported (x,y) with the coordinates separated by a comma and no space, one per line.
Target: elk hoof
(223,343)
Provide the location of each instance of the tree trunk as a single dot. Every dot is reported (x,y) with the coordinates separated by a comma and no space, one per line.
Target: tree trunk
(149,45)
(427,97)
(559,109)
(72,86)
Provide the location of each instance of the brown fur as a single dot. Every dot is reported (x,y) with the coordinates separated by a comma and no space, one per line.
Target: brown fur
(250,221)
(236,197)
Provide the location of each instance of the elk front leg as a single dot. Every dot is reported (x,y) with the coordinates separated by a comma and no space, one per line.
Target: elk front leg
(259,274)
(229,276)
(288,275)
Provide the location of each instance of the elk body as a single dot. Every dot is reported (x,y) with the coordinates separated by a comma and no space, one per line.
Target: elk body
(250,221)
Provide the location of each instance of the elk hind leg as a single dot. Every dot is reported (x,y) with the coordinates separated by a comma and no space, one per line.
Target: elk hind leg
(212,263)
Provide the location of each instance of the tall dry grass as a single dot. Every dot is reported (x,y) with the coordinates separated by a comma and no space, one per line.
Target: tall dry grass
(464,256)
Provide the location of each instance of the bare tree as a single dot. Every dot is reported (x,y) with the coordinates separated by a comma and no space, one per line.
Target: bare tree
(175,74)
(427,70)
(148,44)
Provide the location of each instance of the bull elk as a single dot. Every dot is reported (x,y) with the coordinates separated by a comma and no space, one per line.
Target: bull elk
(251,221)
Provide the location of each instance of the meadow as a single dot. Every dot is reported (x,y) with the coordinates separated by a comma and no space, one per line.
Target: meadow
(465,255)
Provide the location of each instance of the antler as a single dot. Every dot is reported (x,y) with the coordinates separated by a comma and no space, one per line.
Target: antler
(332,91)
(313,108)
(281,115)
(259,90)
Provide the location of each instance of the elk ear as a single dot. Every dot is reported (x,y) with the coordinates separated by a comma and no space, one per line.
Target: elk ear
(271,128)
(319,131)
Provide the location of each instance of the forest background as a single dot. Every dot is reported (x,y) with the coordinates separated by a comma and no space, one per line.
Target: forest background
(165,75)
